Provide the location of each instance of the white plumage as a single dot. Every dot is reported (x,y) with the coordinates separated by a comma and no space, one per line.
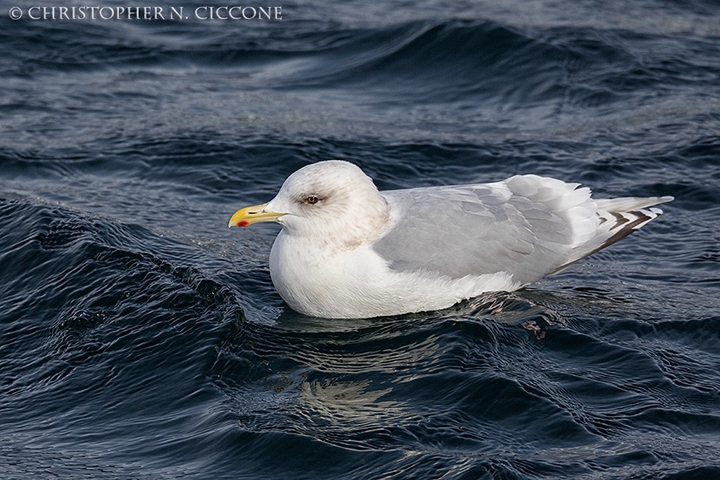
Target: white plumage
(347,250)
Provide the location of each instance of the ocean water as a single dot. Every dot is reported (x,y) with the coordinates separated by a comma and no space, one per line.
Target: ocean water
(141,338)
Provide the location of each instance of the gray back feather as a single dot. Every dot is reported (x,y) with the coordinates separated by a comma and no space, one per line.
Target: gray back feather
(474,230)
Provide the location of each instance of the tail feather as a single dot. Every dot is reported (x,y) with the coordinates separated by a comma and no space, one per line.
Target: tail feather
(629,204)
(618,218)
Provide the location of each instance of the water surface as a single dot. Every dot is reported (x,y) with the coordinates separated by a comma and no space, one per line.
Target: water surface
(141,338)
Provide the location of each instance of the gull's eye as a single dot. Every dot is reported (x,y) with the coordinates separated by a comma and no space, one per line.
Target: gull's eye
(312,199)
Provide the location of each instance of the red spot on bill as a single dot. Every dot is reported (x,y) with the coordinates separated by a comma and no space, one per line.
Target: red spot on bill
(243,223)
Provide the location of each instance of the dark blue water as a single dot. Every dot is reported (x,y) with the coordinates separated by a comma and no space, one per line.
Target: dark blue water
(141,338)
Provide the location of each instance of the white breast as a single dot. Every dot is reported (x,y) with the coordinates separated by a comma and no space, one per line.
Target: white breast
(357,283)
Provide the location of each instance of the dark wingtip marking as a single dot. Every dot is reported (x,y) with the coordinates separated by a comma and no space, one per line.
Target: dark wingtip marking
(642,219)
(621,220)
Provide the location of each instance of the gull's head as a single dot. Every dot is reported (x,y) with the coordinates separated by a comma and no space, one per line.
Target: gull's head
(326,200)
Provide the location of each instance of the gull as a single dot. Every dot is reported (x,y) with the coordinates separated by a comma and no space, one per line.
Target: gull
(347,250)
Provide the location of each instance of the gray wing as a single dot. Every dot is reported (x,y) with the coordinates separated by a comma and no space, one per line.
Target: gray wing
(525,226)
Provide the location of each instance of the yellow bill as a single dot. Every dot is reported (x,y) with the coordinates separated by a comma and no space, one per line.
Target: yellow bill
(253,214)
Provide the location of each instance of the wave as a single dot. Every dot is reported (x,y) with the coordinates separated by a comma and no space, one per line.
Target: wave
(421,61)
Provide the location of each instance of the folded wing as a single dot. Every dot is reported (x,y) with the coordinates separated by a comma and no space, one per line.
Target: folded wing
(527,226)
